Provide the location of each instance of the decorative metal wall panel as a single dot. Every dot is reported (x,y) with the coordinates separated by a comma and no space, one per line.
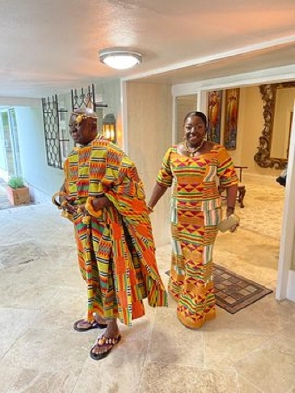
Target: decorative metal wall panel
(55,139)
(85,98)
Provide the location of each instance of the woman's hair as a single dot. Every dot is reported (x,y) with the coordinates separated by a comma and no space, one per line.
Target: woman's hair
(196,113)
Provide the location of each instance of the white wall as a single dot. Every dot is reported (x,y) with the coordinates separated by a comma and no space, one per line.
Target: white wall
(286,273)
(42,179)
(149,128)
(110,93)
(3,161)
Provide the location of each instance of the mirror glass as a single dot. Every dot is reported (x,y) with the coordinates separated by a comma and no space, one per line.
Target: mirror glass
(278,102)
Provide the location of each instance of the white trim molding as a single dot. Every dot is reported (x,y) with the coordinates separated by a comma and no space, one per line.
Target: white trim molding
(291,286)
(286,280)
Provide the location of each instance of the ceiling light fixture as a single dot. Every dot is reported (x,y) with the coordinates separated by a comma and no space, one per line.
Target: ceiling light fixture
(119,58)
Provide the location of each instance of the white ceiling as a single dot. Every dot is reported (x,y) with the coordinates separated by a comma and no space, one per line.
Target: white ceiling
(49,47)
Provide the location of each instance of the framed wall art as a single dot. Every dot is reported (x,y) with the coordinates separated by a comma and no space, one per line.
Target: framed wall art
(214,100)
(232,97)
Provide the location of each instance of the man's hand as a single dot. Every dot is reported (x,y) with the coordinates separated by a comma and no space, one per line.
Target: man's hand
(100,202)
(66,205)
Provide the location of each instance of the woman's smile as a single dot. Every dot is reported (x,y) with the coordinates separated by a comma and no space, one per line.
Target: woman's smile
(194,138)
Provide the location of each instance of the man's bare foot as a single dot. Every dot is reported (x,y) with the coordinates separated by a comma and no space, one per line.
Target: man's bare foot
(99,319)
(106,342)
(83,325)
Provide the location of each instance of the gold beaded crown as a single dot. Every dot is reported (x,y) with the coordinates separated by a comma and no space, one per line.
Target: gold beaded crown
(89,113)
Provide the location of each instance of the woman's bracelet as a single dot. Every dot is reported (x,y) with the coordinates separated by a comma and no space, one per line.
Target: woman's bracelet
(150,209)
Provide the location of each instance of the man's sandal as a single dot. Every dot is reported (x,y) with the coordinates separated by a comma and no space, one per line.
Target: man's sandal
(104,342)
(88,325)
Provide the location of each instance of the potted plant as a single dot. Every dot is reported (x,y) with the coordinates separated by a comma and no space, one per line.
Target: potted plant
(17,192)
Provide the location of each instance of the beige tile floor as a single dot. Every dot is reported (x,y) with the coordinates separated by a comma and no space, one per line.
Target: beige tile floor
(42,295)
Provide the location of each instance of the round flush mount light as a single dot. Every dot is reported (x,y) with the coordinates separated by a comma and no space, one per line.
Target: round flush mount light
(120,59)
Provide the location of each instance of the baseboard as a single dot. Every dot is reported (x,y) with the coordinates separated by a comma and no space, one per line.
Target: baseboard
(39,196)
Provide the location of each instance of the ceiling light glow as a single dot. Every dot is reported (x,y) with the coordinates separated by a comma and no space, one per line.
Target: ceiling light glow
(120,59)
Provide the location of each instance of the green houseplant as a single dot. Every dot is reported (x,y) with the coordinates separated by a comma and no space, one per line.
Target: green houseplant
(16,182)
(17,192)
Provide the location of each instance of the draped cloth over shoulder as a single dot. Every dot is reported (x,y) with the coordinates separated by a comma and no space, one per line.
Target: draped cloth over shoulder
(116,250)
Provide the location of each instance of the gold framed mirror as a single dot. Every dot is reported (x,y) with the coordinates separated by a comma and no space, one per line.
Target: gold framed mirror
(274,132)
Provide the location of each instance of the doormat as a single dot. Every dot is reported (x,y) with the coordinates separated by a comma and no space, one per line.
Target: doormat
(233,292)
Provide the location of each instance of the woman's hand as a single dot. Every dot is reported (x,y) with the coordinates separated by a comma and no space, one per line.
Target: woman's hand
(234,228)
(229,212)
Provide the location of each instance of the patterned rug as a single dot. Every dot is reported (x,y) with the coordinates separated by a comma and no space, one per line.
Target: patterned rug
(233,292)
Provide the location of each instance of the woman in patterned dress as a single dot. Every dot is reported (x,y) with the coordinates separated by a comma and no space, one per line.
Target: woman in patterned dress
(194,168)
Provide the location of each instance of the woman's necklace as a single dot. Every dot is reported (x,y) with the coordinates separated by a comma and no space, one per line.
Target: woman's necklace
(192,151)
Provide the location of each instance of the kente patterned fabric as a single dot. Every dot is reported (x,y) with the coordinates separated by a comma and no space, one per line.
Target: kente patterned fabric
(195,213)
(116,251)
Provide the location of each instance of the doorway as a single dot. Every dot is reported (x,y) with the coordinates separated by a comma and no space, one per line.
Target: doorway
(10,164)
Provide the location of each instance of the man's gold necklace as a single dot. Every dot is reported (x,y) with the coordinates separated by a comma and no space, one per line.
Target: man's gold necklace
(191,151)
